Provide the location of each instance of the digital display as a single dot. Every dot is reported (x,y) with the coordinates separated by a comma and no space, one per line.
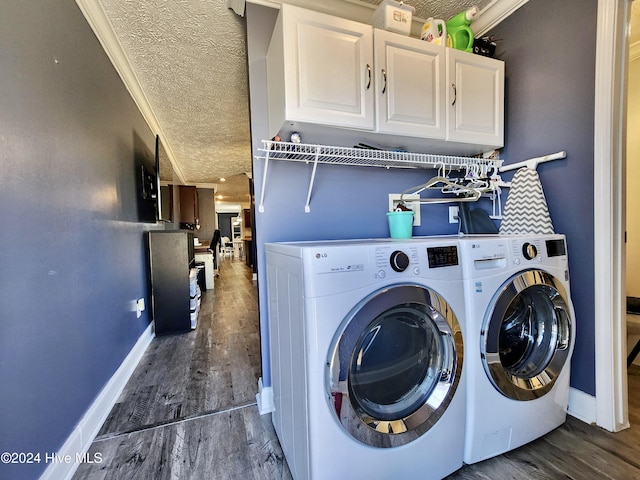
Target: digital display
(442,256)
(556,248)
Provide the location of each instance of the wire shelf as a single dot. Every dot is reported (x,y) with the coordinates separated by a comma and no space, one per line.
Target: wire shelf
(362,157)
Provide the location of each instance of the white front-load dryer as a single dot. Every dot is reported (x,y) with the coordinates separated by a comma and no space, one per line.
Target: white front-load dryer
(366,357)
(519,337)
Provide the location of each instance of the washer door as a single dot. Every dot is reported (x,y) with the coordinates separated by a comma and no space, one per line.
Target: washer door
(394,365)
(527,335)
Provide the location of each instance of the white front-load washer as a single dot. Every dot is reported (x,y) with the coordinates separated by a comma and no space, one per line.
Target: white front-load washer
(366,357)
(519,336)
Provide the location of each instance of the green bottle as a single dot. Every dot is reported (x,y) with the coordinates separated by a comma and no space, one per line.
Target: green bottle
(459,34)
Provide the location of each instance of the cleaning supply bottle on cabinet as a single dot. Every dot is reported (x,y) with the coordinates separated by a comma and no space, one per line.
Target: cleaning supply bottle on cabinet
(459,34)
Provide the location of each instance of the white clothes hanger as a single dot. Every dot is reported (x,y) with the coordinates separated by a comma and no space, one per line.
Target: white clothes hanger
(441,183)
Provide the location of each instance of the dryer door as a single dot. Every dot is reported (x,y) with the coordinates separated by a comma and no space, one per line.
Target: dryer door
(394,365)
(527,335)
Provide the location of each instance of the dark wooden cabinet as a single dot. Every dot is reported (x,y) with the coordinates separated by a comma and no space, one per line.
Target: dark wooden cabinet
(189,209)
(246,217)
(248,252)
(171,256)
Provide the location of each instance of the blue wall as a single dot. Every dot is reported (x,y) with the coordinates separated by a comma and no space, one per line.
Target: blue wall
(548,48)
(549,53)
(72,254)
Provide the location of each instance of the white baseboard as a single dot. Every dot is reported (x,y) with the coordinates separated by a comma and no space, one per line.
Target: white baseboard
(264,398)
(582,406)
(78,443)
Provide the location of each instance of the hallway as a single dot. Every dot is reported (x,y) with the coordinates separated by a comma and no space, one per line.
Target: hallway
(189,412)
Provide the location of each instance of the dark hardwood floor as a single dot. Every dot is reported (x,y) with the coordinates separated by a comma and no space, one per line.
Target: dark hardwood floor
(189,412)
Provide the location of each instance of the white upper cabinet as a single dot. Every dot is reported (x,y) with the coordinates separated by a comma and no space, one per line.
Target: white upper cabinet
(410,94)
(332,78)
(475,98)
(320,70)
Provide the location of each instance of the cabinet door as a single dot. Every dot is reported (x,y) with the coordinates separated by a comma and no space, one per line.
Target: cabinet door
(475,86)
(410,94)
(189,208)
(328,63)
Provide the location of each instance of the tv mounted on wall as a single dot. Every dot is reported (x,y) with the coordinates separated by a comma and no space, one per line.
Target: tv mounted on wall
(146,183)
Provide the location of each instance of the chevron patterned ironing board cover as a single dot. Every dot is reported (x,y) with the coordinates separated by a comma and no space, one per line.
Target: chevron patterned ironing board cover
(526,211)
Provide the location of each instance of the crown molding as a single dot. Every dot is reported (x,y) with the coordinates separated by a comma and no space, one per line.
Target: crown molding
(493,14)
(99,22)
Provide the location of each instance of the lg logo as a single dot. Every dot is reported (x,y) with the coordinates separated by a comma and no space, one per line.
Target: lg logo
(321,255)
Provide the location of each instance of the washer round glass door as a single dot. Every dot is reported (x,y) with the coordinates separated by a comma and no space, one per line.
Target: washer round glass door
(527,336)
(394,365)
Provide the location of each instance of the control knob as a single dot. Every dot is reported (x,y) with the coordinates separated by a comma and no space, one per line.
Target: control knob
(529,251)
(399,261)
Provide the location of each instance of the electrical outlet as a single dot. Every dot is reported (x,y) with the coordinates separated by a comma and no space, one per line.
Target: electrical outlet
(139,307)
(453,214)
(394,199)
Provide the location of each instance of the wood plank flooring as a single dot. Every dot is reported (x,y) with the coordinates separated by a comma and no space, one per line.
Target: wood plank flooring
(189,412)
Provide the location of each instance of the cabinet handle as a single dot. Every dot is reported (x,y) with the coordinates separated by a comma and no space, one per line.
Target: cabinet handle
(369,76)
(384,76)
(455,94)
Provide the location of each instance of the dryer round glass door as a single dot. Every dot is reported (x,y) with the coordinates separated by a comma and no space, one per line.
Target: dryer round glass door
(527,335)
(394,365)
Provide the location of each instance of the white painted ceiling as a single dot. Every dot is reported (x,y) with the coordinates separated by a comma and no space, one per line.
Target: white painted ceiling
(189,57)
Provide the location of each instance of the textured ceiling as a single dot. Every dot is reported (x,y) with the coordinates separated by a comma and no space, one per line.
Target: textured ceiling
(437,8)
(190,59)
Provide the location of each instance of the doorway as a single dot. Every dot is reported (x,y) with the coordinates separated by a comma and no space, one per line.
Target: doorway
(226,224)
(633,189)
(609,407)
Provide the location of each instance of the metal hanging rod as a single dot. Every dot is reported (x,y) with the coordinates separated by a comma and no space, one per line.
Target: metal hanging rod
(532,163)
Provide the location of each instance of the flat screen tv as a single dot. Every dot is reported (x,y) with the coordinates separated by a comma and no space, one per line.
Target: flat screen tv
(146,183)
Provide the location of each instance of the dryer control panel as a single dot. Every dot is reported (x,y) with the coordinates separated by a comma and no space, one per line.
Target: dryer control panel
(524,251)
(548,250)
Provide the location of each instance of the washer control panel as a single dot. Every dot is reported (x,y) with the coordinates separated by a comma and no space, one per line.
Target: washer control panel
(445,256)
(340,266)
(414,259)
(396,259)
